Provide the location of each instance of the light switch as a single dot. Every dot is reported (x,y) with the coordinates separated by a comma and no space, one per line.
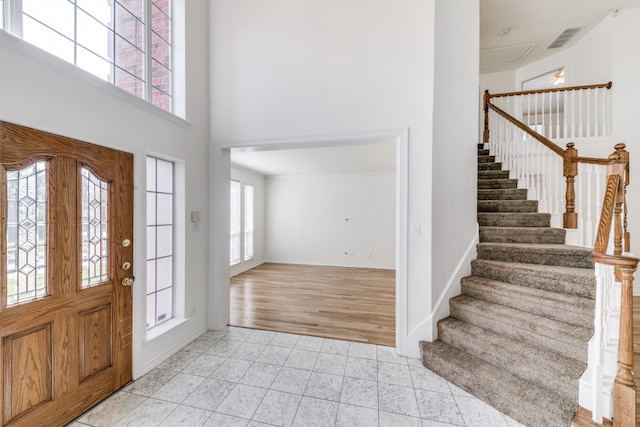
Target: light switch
(195,216)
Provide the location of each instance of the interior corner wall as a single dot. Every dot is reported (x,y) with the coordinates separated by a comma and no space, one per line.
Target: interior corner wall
(257,180)
(345,220)
(455,142)
(43,92)
(303,68)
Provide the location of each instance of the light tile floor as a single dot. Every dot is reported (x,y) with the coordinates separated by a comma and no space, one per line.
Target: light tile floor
(245,377)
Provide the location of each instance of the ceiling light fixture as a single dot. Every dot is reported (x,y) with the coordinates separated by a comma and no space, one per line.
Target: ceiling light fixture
(558,78)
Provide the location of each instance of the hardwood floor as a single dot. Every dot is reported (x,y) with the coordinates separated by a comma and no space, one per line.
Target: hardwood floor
(356,304)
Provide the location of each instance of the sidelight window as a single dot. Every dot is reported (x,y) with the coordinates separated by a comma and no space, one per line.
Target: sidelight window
(160,240)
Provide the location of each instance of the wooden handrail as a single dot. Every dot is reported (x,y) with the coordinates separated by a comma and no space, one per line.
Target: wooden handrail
(547,142)
(570,157)
(555,89)
(624,388)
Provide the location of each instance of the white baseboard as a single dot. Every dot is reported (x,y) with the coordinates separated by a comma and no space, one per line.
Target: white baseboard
(427,330)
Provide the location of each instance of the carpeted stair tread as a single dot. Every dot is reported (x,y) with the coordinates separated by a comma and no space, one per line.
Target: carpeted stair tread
(489,166)
(541,367)
(508,206)
(486,159)
(537,253)
(522,235)
(561,307)
(492,174)
(573,281)
(503,194)
(537,331)
(523,401)
(483,152)
(513,219)
(498,183)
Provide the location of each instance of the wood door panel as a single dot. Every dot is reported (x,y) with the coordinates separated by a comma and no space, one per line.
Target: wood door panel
(95,341)
(18,143)
(27,364)
(64,352)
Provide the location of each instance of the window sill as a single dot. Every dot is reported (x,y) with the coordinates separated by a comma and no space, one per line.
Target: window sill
(26,49)
(163,328)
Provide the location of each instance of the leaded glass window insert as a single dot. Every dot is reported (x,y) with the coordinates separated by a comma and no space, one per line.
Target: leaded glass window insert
(26,233)
(95,229)
(160,227)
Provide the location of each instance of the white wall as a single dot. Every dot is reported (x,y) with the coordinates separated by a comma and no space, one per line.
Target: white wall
(607,53)
(43,92)
(455,140)
(338,219)
(246,176)
(301,69)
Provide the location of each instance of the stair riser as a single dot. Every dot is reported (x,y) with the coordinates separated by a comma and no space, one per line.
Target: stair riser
(488,219)
(494,184)
(566,312)
(544,235)
(508,206)
(533,256)
(503,194)
(492,174)
(531,333)
(567,284)
(516,364)
(483,152)
(486,159)
(489,166)
(507,398)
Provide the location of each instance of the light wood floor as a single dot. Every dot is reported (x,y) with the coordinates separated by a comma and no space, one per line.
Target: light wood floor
(356,304)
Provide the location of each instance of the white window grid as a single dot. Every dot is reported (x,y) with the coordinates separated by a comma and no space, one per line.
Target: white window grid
(42,23)
(235,222)
(248,222)
(160,237)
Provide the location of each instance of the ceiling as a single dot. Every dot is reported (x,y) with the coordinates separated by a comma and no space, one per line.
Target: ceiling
(517,32)
(364,157)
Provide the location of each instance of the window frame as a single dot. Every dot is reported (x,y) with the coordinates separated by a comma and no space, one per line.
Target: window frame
(233,236)
(173,254)
(11,21)
(248,222)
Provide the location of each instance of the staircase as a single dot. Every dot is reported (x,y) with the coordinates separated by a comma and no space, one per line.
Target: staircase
(517,335)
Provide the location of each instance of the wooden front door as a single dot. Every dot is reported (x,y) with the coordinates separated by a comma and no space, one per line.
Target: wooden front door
(65,259)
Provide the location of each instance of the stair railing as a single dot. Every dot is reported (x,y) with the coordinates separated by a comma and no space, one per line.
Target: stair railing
(608,254)
(538,163)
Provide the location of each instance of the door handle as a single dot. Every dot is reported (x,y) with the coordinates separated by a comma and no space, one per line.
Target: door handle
(127,281)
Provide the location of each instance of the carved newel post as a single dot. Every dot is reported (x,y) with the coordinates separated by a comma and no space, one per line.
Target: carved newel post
(485,134)
(570,170)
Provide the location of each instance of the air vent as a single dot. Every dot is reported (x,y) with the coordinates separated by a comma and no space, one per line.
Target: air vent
(563,38)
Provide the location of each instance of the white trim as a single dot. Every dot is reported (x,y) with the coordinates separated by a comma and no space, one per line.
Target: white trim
(427,329)
(402,243)
(219,274)
(179,345)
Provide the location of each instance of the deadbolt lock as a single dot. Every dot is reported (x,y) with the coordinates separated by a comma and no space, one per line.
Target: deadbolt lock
(126,265)
(126,243)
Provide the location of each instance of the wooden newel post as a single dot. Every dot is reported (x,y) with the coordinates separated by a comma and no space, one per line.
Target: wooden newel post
(485,134)
(624,387)
(570,170)
(619,164)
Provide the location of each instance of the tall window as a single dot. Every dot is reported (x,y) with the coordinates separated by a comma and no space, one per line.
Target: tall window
(236,222)
(248,221)
(125,42)
(160,257)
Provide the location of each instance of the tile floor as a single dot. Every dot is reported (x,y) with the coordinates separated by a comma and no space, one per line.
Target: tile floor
(244,377)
